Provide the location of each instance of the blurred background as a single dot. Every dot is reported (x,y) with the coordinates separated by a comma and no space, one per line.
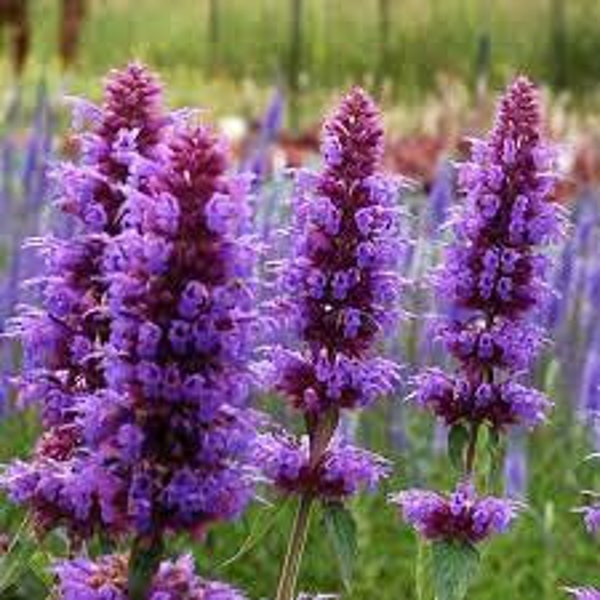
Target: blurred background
(267,71)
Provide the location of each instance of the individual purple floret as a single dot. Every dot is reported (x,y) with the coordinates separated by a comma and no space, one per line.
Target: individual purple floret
(341,471)
(174,427)
(461,516)
(591,517)
(106,579)
(458,399)
(586,593)
(494,275)
(340,287)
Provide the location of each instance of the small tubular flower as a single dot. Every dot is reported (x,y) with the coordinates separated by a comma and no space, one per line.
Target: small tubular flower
(341,471)
(340,288)
(461,516)
(106,579)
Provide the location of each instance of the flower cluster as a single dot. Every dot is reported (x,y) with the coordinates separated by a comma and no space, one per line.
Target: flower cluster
(63,342)
(140,355)
(460,516)
(338,295)
(457,399)
(492,280)
(494,274)
(340,472)
(106,578)
(173,427)
(340,287)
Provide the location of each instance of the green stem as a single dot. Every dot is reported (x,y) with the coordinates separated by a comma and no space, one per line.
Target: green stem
(144,560)
(320,431)
(293,558)
(472,449)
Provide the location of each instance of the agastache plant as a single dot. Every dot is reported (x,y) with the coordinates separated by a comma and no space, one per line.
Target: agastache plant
(339,295)
(174,426)
(139,354)
(63,339)
(494,279)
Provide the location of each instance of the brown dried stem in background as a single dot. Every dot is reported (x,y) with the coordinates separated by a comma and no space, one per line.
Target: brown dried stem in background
(14,17)
(72,17)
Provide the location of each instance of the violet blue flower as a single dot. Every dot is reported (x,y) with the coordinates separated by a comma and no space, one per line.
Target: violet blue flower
(340,288)
(173,426)
(462,515)
(106,579)
(341,471)
(495,272)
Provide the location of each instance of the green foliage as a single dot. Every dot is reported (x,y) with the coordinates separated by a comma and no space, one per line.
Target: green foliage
(341,43)
(458,440)
(341,529)
(454,566)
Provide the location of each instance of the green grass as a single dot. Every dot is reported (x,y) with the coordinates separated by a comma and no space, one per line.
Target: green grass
(341,44)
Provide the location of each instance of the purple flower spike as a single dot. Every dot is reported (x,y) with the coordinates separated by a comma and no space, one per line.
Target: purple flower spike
(106,579)
(174,427)
(461,516)
(64,341)
(495,272)
(340,288)
(340,473)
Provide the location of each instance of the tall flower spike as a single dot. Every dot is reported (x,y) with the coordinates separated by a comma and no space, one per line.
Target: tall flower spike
(63,342)
(339,292)
(174,428)
(493,279)
(495,272)
(340,288)
(107,578)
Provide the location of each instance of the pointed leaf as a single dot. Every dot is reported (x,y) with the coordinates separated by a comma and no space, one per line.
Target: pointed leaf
(341,530)
(455,565)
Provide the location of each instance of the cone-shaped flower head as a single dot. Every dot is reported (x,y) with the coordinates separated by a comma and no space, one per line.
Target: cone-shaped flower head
(174,427)
(63,341)
(340,287)
(494,273)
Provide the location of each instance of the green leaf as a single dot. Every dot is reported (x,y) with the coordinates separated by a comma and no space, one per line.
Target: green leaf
(14,563)
(458,439)
(143,564)
(341,530)
(455,565)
